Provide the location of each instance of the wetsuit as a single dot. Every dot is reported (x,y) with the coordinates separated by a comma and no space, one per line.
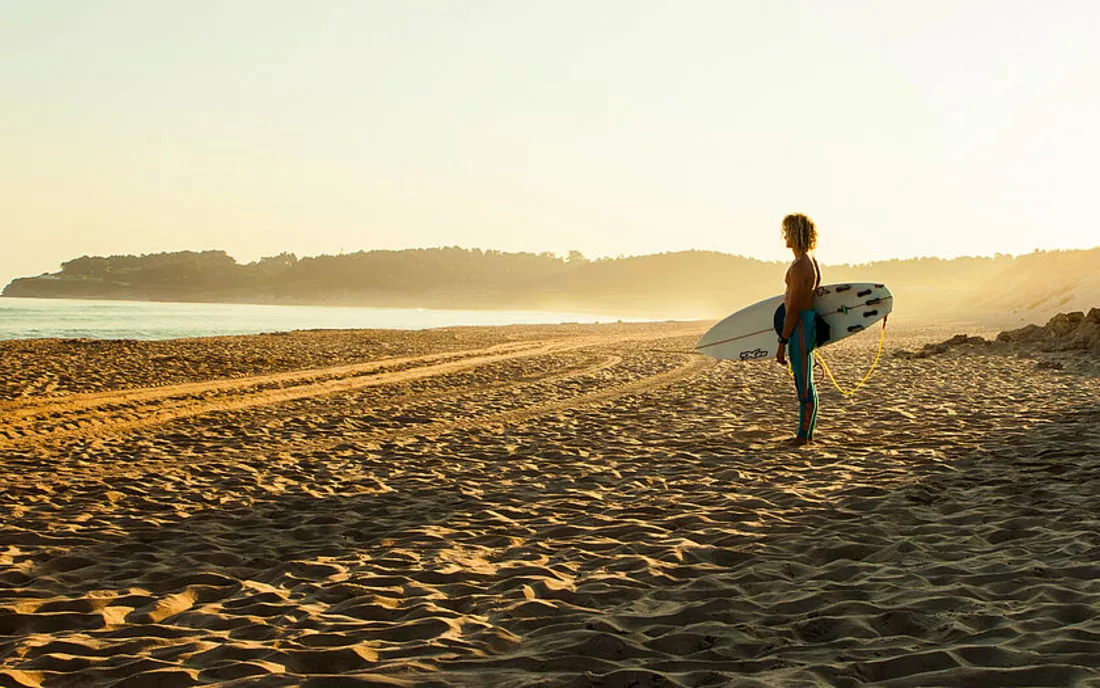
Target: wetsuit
(800,351)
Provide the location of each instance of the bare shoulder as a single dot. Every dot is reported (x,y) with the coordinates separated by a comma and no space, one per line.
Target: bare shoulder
(802,266)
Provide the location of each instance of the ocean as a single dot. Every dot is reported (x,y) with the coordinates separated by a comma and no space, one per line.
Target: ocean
(37,318)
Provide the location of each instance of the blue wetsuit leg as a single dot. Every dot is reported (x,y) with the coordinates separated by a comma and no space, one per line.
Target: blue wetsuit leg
(801,346)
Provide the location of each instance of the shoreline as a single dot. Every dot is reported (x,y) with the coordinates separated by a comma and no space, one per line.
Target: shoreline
(120,320)
(947,326)
(680,310)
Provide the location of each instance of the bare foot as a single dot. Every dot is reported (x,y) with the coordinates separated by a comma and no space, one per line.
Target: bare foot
(798,442)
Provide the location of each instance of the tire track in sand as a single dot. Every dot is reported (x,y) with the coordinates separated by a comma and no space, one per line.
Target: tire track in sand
(112,413)
(692,365)
(11,411)
(129,410)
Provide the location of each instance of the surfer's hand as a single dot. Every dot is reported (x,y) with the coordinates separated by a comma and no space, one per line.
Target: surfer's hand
(781,355)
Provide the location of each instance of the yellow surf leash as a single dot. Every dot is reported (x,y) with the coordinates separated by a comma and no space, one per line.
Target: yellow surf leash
(829,373)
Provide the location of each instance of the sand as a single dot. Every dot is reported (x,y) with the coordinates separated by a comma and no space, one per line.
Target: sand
(542,506)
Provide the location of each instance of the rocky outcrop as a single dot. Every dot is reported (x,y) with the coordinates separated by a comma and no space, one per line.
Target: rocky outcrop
(1075,331)
(1064,332)
(943,347)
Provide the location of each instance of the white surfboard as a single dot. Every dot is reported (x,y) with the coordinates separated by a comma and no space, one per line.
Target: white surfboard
(749,334)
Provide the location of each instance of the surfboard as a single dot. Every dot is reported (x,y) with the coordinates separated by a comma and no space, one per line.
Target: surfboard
(750,333)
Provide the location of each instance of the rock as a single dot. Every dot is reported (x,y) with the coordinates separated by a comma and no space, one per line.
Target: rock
(1049,365)
(1087,336)
(1023,334)
(1076,331)
(1059,325)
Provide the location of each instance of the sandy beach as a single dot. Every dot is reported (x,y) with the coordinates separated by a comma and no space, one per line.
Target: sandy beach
(576,505)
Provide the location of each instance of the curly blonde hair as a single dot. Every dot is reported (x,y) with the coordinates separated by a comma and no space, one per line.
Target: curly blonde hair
(799,232)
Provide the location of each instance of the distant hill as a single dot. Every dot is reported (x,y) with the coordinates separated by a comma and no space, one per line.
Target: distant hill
(1037,285)
(687,284)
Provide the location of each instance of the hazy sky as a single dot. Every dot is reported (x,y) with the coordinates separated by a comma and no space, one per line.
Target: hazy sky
(612,127)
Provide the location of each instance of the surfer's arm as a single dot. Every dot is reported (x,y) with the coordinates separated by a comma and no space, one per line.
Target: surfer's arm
(780,354)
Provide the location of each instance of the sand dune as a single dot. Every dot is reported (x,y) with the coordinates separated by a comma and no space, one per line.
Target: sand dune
(570,506)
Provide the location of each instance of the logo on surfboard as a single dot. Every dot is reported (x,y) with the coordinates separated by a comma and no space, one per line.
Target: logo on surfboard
(753,355)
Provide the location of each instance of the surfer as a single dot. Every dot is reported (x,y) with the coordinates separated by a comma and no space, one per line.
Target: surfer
(799,327)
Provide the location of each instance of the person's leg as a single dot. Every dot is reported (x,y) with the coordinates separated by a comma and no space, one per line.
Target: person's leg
(810,319)
(810,401)
(801,348)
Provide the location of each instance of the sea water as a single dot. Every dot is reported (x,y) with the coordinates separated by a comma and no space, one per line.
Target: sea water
(36,318)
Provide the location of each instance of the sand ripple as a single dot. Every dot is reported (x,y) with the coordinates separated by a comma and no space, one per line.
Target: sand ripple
(611,512)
